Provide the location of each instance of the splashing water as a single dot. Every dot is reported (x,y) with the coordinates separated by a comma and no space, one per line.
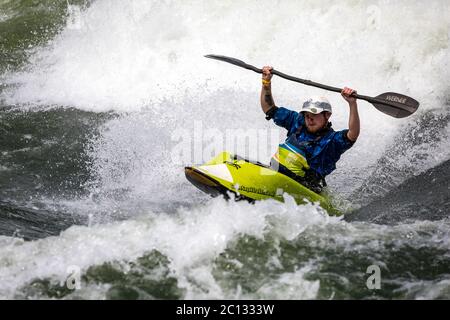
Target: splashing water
(93,116)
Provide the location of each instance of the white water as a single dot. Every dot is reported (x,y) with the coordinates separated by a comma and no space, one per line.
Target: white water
(144,59)
(191,239)
(147,56)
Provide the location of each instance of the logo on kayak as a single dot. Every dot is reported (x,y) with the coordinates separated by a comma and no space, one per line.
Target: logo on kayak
(233,164)
(396,99)
(256,190)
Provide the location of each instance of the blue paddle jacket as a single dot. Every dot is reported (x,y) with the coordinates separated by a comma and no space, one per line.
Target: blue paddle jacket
(321,151)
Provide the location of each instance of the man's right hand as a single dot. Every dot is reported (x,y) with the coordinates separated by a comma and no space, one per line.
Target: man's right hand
(267,102)
(267,73)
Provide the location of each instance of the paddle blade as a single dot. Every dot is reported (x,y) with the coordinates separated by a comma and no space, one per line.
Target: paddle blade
(396,105)
(226,59)
(234,61)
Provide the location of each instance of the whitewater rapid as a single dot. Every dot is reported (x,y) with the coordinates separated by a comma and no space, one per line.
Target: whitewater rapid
(131,79)
(147,58)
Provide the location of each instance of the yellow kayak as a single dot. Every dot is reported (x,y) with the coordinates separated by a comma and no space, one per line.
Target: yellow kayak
(229,174)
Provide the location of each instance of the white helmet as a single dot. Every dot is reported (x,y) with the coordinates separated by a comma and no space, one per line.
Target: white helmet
(316,105)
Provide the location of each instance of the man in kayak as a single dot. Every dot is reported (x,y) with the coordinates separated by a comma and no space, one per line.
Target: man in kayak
(312,147)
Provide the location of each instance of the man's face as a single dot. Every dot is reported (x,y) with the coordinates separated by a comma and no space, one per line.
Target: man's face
(315,122)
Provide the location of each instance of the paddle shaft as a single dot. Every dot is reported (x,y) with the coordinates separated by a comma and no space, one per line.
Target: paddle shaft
(317,85)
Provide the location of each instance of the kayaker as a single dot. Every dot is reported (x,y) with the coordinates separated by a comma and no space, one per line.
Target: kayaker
(312,147)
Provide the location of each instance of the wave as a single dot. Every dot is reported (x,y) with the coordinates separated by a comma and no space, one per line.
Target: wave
(125,56)
(96,116)
(227,250)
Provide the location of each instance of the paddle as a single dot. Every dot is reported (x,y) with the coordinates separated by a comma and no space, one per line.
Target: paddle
(393,104)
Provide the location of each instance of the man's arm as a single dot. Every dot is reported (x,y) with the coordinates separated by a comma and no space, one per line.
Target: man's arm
(267,102)
(353,120)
